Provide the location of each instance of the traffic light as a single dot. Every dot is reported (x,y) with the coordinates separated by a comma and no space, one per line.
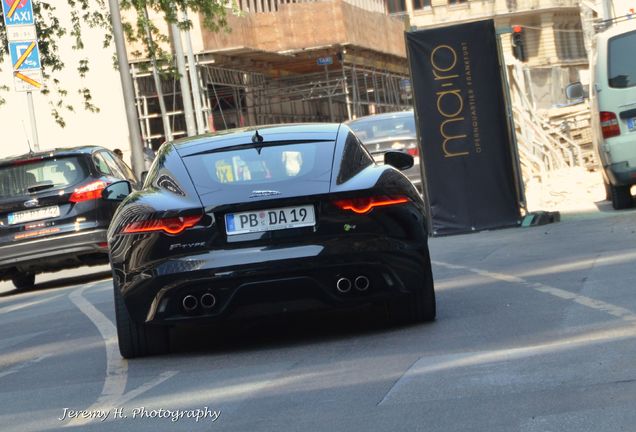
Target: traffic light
(518,48)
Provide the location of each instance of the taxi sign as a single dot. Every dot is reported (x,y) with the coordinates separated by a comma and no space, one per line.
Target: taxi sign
(17,12)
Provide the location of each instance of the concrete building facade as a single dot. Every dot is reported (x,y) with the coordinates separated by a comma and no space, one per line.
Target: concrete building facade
(551,35)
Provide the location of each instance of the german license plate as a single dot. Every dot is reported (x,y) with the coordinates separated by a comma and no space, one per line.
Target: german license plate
(33,215)
(270,219)
(631,124)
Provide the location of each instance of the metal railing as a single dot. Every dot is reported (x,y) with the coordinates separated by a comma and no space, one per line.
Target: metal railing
(264,6)
(542,147)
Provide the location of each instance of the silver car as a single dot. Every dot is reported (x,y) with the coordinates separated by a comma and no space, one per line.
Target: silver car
(390,131)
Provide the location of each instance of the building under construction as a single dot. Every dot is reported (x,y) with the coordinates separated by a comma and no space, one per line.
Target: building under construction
(286,62)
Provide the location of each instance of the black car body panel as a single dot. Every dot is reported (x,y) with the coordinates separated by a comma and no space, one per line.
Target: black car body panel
(51,214)
(155,270)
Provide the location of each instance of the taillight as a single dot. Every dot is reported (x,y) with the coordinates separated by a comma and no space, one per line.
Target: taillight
(88,192)
(173,225)
(413,151)
(609,124)
(366,204)
(26,161)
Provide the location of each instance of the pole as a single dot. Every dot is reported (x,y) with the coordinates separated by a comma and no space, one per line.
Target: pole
(34,128)
(183,80)
(345,88)
(167,131)
(136,146)
(514,148)
(331,119)
(194,80)
(606,9)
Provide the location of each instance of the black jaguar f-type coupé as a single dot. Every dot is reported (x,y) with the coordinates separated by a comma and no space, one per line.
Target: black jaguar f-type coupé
(278,217)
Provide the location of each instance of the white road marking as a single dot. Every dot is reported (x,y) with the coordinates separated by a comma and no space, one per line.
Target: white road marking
(599,305)
(426,365)
(116,367)
(490,359)
(21,366)
(113,392)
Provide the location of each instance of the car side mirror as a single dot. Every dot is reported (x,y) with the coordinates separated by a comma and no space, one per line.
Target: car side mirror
(399,160)
(117,191)
(575,91)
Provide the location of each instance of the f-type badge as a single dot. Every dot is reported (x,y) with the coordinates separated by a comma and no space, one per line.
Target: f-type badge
(31,203)
(263,193)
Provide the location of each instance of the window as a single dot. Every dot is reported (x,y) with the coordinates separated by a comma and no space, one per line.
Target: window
(355,158)
(110,161)
(456,2)
(396,6)
(268,164)
(621,66)
(375,128)
(48,174)
(421,4)
(569,41)
(101,164)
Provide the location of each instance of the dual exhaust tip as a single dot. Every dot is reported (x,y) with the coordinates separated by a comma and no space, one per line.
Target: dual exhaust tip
(208,301)
(361,283)
(190,302)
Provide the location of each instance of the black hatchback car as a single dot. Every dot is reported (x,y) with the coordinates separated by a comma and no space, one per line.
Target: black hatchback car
(52,215)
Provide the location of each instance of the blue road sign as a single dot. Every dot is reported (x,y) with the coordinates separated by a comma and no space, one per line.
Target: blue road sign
(17,12)
(24,55)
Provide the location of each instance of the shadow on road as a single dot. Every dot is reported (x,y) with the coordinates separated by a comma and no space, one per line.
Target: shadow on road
(283,330)
(61,283)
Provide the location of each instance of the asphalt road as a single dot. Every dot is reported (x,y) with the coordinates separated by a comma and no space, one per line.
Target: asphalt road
(536,331)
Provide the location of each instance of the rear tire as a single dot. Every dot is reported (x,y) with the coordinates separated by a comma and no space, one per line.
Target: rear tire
(621,197)
(23,280)
(420,306)
(138,340)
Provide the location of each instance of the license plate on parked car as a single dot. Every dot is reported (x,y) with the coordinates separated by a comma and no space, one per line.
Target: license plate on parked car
(33,215)
(270,219)
(631,124)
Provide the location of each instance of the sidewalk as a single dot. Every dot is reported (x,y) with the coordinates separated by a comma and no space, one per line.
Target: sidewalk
(575,192)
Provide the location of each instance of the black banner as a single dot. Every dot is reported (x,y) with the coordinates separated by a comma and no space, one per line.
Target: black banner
(461,121)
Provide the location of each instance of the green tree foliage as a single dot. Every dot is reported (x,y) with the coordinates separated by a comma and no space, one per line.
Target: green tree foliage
(95,14)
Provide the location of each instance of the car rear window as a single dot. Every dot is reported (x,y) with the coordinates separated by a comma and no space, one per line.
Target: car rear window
(24,177)
(621,61)
(376,128)
(266,164)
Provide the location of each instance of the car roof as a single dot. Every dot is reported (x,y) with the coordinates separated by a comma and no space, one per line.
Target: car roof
(616,29)
(381,116)
(67,151)
(281,132)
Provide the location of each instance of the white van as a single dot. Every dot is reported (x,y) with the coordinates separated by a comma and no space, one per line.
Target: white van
(613,105)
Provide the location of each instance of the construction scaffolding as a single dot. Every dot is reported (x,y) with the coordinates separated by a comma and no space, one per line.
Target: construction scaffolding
(236,98)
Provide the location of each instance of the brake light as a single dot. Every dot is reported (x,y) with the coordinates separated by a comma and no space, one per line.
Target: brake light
(26,161)
(609,124)
(413,151)
(88,192)
(366,204)
(173,225)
